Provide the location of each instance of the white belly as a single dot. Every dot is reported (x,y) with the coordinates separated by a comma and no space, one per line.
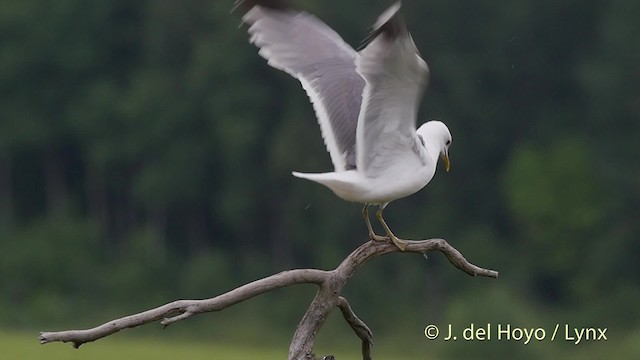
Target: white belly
(391,185)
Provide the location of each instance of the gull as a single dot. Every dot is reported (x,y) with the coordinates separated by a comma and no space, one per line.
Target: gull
(366,103)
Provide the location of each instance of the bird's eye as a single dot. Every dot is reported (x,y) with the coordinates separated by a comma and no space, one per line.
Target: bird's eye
(448,142)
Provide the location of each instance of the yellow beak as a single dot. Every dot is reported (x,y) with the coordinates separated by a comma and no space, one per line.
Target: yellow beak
(445,159)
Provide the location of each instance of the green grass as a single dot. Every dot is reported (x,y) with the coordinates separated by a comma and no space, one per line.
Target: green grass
(25,346)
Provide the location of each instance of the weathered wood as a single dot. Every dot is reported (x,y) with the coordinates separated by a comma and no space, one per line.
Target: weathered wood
(327,298)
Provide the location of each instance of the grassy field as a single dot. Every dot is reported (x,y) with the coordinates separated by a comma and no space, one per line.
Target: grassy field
(25,346)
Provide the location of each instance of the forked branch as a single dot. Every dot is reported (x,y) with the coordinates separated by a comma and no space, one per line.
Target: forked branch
(327,298)
(358,326)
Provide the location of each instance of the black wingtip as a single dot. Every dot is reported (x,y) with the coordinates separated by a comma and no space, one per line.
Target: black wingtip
(389,24)
(246,5)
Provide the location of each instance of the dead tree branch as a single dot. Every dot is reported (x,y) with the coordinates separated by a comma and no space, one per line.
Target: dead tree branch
(182,309)
(330,285)
(358,326)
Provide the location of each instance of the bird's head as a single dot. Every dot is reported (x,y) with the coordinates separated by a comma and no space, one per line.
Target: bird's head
(437,135)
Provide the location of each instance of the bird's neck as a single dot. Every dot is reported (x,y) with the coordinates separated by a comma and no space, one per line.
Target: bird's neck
(432,148)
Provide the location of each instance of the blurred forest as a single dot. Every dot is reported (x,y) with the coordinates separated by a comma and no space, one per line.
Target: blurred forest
(146,152)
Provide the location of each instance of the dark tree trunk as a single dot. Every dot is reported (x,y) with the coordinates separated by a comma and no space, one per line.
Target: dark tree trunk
(6,193)
(156,222)
(55,184)
(97,203)
(280,241)
(196,229)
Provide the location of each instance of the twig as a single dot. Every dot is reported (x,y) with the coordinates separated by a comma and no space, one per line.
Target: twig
(327,298)
(187,308)
(358,326)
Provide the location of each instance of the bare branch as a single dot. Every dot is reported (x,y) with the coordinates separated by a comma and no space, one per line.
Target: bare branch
(359,327)
(187,308)
(327,298)
(373,249)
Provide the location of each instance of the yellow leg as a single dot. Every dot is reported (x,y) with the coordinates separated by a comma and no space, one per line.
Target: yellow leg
(401,244)
(372,234)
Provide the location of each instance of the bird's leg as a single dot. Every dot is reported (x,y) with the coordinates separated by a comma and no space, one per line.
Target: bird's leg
(372,234)
(401,244)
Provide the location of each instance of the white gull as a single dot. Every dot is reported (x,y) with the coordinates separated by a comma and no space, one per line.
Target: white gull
(366,103)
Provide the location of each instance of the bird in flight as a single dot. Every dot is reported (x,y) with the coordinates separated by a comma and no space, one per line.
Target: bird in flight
(366,103)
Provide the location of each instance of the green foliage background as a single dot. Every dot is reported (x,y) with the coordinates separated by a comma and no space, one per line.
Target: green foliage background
(146,151)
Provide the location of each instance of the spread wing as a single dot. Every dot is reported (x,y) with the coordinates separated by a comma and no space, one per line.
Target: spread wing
(306,48)
(396,77)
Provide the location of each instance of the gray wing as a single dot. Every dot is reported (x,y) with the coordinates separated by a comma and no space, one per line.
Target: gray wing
(306,48)
(395,78)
